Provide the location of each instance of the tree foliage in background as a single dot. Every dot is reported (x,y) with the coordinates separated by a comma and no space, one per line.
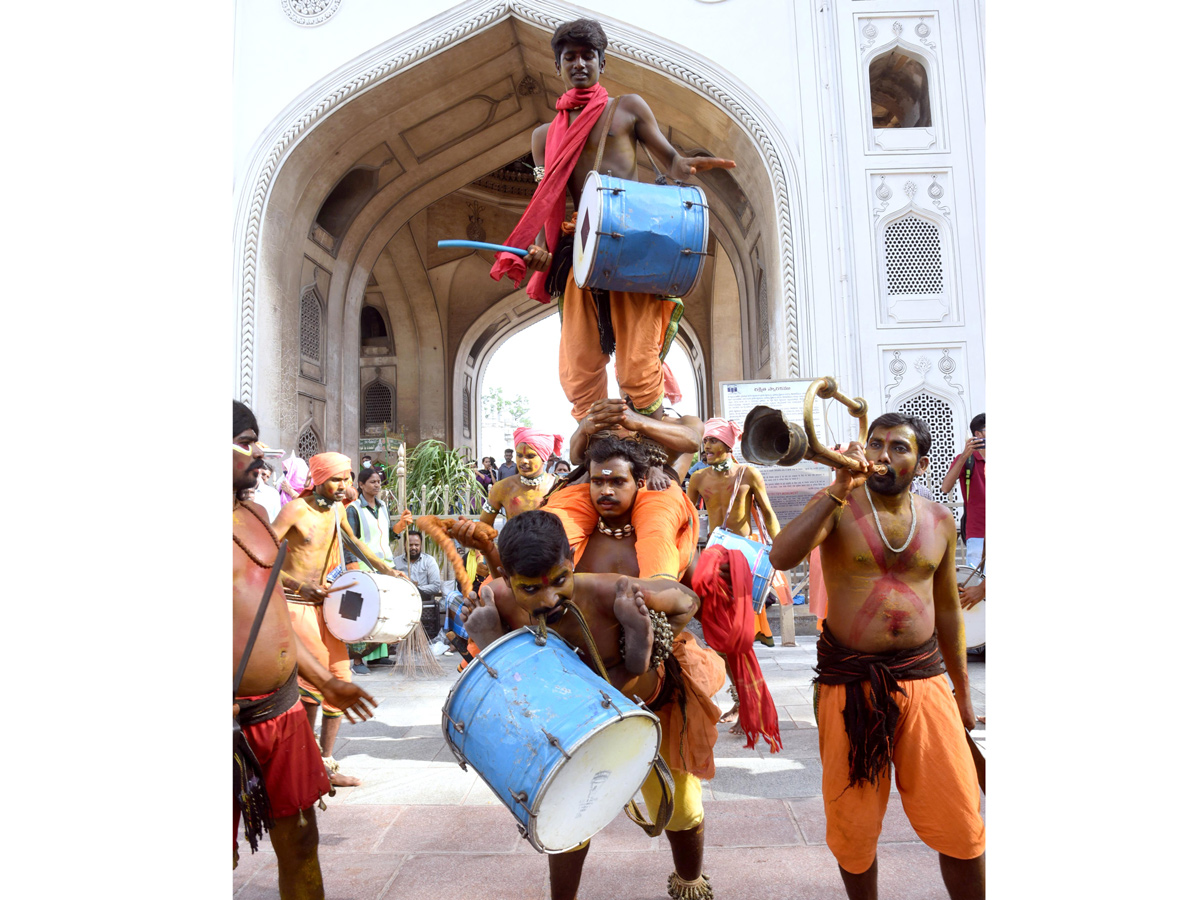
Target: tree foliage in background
(501,410)
(441,482)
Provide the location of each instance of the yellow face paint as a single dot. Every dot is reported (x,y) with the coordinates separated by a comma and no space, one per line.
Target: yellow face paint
(245,451)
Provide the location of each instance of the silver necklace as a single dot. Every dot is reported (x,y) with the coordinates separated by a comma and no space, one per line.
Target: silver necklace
(619,533)
(911,531)
(532,482)
(723,465)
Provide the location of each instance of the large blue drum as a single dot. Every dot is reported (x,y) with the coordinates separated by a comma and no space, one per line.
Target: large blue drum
(560,747)
(454,605)
(645,238)
(757,555)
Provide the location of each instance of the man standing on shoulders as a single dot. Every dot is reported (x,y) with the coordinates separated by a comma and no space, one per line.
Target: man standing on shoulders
(508,468)
(278,770)
(969,469)
(528,486)
(635,327)
(894,625)
(311,526)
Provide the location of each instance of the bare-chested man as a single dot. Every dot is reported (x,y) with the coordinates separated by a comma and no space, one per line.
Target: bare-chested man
(278,734)
(894,622)
(524,491)
(639,325)
(314,560)
(673,672)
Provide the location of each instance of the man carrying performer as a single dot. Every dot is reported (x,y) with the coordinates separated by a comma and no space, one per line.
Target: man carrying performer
(311,526)
(637,327)
(280,757)
(894,625)
(525,489)
(659,660)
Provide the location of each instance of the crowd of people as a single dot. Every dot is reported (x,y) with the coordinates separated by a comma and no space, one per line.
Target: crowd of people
(606,524)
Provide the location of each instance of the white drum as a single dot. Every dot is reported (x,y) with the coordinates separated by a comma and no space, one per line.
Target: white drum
(379,608)
(974,619)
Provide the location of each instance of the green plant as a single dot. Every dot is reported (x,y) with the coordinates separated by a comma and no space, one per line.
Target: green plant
(440,482)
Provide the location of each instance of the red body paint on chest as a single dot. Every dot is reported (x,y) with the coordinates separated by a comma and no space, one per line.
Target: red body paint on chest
(887,582)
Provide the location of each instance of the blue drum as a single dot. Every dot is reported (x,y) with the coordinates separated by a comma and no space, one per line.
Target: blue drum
(645,238)
(757,555)
(454,604)
(562,749)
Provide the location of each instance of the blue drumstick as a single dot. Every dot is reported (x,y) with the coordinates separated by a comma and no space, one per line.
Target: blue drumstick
(480,245)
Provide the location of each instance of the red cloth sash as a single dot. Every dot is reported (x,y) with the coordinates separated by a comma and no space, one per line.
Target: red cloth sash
(727,615)
(564,145)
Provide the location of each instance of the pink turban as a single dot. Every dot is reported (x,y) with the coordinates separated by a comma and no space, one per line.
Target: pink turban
(723,430)
(543,442)
(324,466)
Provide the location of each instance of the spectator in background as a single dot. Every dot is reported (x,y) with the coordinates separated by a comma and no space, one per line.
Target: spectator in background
(422,570)
(969,470)
(265,495)
(508,468)
(562,467)
(295,475)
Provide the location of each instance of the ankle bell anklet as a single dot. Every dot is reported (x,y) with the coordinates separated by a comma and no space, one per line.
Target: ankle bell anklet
(679,889)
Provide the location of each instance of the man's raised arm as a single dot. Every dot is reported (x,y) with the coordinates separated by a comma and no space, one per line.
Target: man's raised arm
(820,516)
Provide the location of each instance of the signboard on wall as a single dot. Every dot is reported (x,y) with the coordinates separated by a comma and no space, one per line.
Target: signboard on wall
(789,487)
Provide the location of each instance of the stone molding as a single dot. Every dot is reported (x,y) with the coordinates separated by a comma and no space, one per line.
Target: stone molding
(310,13)
(454,26)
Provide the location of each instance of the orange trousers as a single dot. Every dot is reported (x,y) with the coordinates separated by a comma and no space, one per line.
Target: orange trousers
(934,775)
(640,325)
(309,624)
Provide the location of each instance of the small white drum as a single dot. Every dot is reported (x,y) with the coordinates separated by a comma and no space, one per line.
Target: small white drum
(974,619)
(379,608)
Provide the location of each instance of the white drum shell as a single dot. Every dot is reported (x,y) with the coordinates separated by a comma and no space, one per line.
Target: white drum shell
(974,619)
(379,608)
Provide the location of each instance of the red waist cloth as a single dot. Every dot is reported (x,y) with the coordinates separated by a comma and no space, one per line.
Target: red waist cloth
(727,615)
(665,525)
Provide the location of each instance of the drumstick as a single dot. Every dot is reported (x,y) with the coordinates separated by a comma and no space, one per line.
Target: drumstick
(481,245)
(334,590)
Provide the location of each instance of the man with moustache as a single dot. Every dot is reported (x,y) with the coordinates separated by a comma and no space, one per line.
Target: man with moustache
(278,769)
(311,526)
(894,625)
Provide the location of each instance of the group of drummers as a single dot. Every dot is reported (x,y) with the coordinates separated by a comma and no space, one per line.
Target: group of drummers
(582,624)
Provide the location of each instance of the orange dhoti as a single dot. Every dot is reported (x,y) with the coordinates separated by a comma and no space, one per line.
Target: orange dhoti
(308,622)
(643,327)
(934,775)
(665,525)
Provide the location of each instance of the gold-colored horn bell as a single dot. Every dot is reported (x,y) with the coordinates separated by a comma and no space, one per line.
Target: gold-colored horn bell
(769,439)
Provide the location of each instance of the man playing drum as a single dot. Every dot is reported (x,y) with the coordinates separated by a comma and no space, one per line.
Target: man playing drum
(659,660)
(528,487)
(894,625)
(314,561)
(279,738)
(636,326)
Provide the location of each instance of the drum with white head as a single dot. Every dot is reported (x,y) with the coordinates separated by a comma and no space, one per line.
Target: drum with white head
(974,619)
(375,607)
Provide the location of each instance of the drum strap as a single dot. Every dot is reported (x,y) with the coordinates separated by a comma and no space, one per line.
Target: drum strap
(666,804)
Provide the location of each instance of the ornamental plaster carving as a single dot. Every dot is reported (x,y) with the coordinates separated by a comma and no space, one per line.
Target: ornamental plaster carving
(912,369)
(925,29)
(310,13)
(452,28)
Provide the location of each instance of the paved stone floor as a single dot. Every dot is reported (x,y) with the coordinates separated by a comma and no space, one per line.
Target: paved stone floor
(420,827)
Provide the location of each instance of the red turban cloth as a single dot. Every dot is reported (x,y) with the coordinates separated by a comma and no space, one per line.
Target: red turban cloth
(670,384)
(324,466)
(543,443)
(723,430)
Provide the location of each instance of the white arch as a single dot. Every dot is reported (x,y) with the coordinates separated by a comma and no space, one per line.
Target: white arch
(411,48)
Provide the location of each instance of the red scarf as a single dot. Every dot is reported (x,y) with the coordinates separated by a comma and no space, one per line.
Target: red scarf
(727,616)
(564,144)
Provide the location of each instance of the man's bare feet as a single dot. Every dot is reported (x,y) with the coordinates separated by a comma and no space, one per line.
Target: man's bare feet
(337,779)
(483,623)
(629,606)
(982,720)
(730,716)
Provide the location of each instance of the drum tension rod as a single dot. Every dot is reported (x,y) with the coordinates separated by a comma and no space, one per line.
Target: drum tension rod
(555,743)
(607,701)
(520,799)
(490,670)
(687,251)
(690,203)
(615,234)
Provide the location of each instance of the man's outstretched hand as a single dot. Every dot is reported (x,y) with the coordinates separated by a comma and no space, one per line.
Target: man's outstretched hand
(349,698)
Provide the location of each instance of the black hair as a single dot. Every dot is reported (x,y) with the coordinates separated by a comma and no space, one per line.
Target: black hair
(605,447)
(920,429)
(365,475)
(979,423)
(533,543)
(243,419)
(582,31)
(412,533)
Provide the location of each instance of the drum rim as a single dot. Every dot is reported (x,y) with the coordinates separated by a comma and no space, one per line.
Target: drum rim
(977,610)
(599,223)
(535,805)
(380,589)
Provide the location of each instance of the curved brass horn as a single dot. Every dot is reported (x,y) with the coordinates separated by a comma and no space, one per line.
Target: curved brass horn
(827,389)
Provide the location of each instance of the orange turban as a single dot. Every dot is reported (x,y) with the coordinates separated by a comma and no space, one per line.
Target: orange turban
(324,466)
(543,443)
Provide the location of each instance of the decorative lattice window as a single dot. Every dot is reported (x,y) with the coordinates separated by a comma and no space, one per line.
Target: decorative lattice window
(764,321)
(912,249)
(938,415)
(310,327)
(307,445)
(377,404)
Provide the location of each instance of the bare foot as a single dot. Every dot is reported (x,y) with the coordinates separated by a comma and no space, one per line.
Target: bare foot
(736,729)
(730,716)
(981,720)
(630,609)
(483,624)
(337,779)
